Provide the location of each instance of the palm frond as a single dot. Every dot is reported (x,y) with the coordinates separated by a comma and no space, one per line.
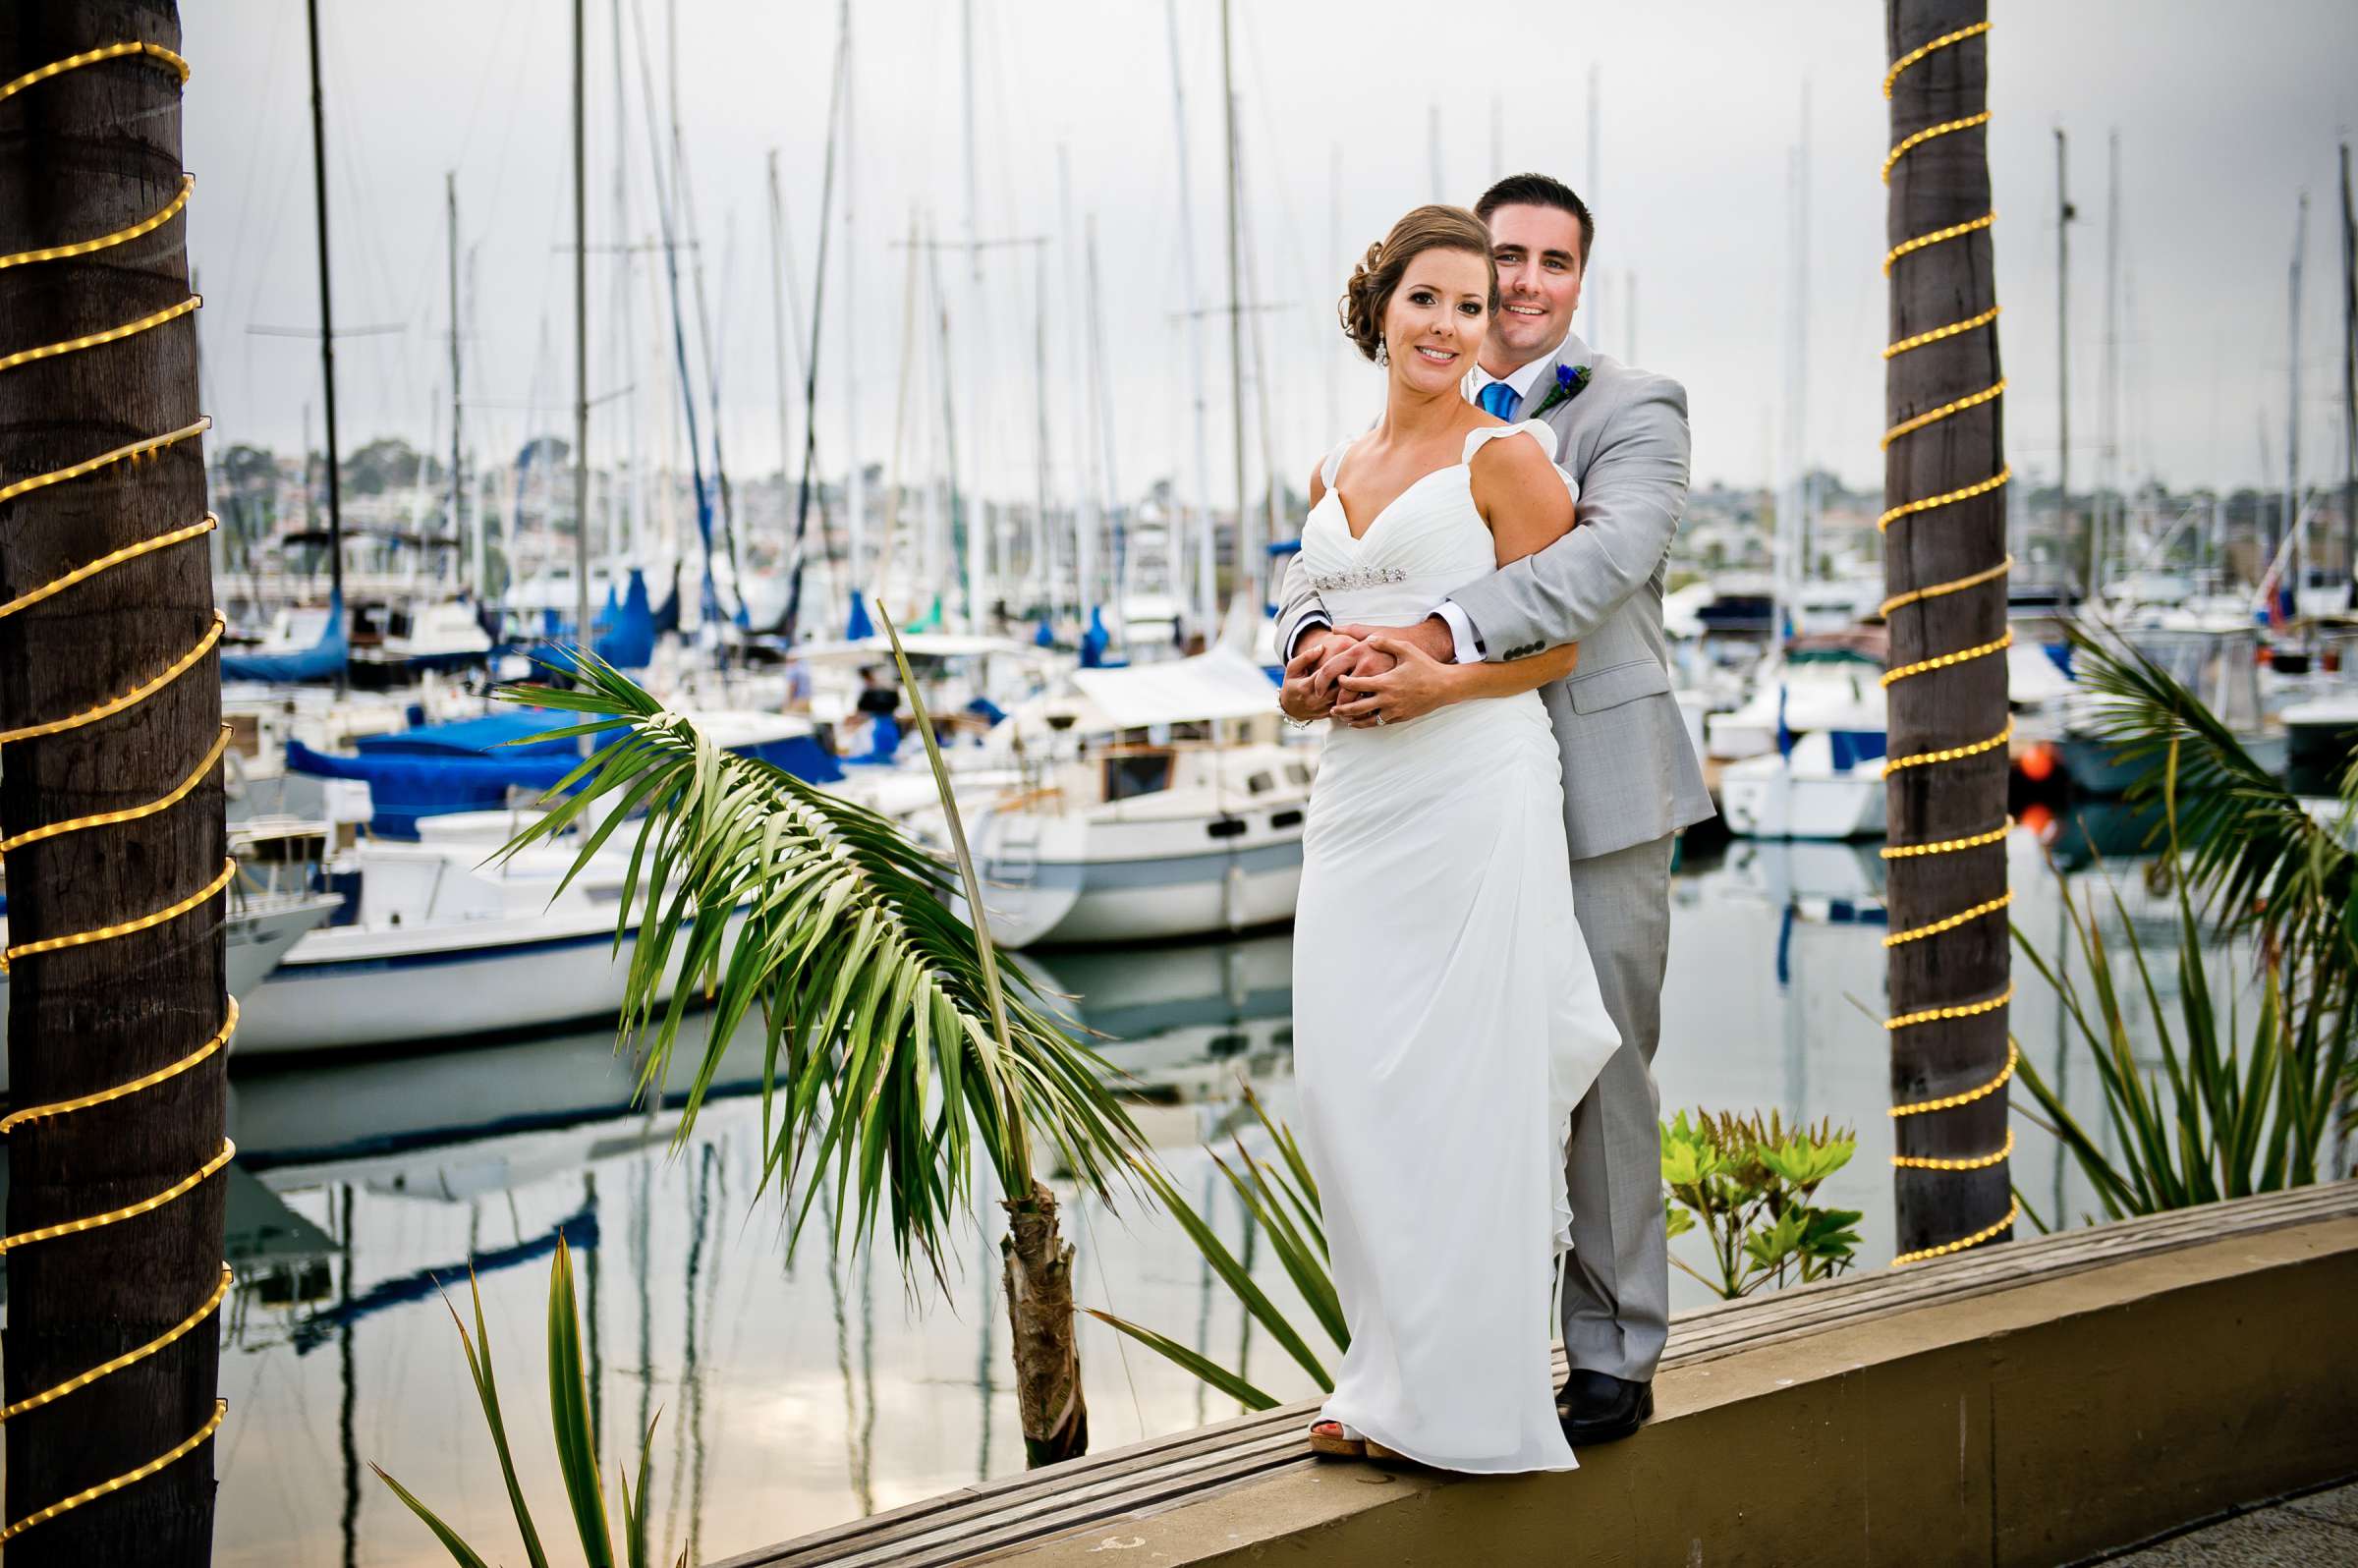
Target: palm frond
(775,900)
(2264,867)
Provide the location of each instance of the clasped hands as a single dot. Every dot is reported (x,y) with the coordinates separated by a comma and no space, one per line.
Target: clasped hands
(1365,675)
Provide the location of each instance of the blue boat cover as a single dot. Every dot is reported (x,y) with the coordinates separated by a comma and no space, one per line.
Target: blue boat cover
(321,661)
(472,766)
(1853,747)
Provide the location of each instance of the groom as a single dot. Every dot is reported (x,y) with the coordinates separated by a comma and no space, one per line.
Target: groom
(1631,779)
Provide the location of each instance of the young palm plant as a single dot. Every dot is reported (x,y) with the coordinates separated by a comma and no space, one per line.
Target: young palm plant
(2221,1118)
(576,1452)
(1280,1196)
(2263,865)
(895,1046)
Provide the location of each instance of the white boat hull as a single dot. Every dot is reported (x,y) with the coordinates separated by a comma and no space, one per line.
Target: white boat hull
(1760,798)
(1148,878)
(343,989)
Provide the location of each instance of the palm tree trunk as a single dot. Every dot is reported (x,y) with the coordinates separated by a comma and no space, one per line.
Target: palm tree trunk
(1950,553)
(1037,1273)
(81,156)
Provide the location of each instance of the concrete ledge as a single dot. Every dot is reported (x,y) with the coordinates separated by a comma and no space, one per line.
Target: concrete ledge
(2032,1403)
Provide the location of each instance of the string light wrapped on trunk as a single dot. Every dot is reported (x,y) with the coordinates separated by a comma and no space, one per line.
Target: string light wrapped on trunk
(1914,509)
(133,452)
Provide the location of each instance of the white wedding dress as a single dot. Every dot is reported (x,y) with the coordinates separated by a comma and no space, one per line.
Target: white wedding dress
(1446,1016)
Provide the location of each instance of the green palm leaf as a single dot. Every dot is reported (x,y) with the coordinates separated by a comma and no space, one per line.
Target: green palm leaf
(895,1046)
(2263,865)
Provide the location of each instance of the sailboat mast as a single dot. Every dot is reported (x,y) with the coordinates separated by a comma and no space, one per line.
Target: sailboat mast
(1084,487)
(1043,546)
(1206,595)
(1102,426)
(1245,564)
(778,302)
(327,330)
(2292,410)
(581,344)
(2349,384)
(818,295)
(855,492)
(2076,550)
(634,495)
(2108,517)
(450,191)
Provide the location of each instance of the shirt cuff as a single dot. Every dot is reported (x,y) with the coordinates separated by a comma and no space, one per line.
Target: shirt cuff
(1461,632)
(1310,620)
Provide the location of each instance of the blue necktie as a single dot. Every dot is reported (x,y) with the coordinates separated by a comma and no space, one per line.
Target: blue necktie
(1498,401)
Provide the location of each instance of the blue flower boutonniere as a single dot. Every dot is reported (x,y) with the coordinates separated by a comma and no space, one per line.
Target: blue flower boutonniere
(1570,382)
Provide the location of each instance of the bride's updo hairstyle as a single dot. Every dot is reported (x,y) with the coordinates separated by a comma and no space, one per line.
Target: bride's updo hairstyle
(1374,279)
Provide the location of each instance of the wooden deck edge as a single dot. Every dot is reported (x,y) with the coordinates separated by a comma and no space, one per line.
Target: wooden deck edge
(1846,1373)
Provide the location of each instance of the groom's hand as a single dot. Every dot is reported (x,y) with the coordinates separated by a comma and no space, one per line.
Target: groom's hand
(1430,635)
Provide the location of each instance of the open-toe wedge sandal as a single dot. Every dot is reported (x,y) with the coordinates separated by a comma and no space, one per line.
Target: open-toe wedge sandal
(1331,1439)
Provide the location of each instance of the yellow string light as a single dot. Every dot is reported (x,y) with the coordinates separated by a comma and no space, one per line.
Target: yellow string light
(1950,923)
(1920,138)
(146,225)
(1965,1162)
(64,1108)
(1900,601)
(130,814)
(1963,655)
(90,57)
(1949,846)
(1954,753)
(107,933)
(1955,231)
(1892,351)
(1908,427)
(1967,1096)
(1911,508)
(1985,1233)
(145,447)
(74,1227)
(131,452)
(1942,1015)
(93,340)
(179,1451)
(1917,54)
(129,552)
(129,1357)
(131,698)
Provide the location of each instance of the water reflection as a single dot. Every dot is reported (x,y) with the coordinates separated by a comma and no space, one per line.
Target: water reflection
(797,1393)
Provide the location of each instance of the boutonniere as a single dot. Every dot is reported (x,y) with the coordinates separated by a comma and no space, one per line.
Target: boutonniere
(1570,381)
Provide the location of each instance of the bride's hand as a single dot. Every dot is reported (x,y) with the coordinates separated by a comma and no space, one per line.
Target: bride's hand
(1415,685)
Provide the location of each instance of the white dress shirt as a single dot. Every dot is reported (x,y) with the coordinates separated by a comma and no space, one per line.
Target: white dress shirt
(1461,630)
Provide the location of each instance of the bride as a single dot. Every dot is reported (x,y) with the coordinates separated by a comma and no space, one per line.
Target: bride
(1447,1020)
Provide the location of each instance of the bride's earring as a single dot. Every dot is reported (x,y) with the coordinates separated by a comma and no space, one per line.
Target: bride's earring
(1384,353)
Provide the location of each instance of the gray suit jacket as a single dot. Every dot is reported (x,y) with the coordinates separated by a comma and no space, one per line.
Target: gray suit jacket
(1630,774)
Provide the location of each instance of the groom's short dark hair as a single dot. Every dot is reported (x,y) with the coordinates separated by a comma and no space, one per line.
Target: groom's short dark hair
(1539,191)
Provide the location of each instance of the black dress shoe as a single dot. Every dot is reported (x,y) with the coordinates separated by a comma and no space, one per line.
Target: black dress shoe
(1600,1408)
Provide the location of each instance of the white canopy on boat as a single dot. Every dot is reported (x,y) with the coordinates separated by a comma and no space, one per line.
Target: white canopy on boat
(877,648)
(1218,684)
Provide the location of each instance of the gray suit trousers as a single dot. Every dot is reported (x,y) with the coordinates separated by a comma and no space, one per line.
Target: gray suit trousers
(1616,1279)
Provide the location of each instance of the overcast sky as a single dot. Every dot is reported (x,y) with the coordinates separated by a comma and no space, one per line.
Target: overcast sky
(2225,114)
